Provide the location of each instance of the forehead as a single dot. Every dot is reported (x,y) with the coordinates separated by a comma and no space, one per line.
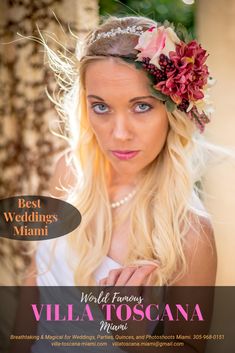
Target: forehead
(107,75)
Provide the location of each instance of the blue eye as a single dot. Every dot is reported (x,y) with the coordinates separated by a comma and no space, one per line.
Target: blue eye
(143,107)
(100,108)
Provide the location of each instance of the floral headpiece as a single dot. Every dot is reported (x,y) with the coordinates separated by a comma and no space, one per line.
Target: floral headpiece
(178,71)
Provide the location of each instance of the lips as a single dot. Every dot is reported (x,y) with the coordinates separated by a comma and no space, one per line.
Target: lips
(125,155)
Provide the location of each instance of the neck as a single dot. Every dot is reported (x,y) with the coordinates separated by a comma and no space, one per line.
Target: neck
(120,185)
(117,179)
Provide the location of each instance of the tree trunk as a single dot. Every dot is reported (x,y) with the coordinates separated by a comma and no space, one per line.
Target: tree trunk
(27,147)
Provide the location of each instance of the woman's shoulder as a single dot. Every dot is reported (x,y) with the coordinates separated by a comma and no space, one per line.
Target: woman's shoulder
(200,233)
(199,249)
(199,219)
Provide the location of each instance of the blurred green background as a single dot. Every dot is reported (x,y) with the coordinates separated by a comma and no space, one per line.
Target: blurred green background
(176,11)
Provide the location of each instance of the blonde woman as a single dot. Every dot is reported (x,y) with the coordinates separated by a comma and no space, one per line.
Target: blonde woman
(140,159)
(138,97)
(137,155)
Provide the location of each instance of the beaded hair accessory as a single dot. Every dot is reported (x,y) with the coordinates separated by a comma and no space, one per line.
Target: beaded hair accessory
(137,30)
(177,69)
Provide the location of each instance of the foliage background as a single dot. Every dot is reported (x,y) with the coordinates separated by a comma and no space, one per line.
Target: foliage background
(175,11)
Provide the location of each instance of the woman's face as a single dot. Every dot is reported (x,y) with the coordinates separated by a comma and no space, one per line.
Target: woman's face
(130,125)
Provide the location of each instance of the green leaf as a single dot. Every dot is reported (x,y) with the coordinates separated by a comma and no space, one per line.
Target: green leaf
(183,33)
(157,94)
(150,77)
(128,60)
(138,64)
(170,105)
(167,24)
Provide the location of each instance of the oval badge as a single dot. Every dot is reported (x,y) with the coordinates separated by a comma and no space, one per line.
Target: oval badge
(35,217)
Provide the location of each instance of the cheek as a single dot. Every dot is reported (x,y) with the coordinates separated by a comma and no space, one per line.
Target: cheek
(157,135)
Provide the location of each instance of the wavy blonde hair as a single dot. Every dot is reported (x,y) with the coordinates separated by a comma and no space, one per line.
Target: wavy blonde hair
(161,212)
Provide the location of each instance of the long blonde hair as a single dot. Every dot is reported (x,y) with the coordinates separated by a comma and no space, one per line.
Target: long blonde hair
(160,213)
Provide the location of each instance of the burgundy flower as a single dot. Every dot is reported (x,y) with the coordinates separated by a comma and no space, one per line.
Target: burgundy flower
(188,74)
(200,119)
(178,70)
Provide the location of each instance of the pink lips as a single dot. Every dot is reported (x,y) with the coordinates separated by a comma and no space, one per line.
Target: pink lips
(124,155)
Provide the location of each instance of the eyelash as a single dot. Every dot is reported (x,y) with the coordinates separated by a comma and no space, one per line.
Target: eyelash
(150,107)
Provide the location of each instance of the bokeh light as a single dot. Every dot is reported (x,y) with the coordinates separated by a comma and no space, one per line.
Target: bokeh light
(188,2)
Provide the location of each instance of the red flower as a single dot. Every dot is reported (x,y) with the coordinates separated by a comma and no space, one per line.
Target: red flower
(188,75)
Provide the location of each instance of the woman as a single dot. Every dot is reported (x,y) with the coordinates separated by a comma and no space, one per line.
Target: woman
(138,99)
(140,151)
(140,211)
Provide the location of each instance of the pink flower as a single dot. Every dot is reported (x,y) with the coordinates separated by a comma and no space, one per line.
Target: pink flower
(156,41)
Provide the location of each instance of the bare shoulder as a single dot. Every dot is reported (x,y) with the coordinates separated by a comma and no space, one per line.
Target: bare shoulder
(200,253)
(200,232)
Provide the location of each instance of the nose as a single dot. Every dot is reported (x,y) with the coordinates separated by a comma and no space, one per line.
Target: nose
(122,128)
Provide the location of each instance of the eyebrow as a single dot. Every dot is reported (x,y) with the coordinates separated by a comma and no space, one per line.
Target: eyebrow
(131,100)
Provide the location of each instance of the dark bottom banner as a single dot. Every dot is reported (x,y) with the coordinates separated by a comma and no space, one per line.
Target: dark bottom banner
(117,319)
